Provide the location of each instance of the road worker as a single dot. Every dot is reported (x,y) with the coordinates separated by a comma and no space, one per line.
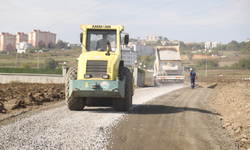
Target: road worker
(192,76)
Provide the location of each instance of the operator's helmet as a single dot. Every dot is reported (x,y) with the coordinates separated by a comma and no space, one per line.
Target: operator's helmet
(191,69)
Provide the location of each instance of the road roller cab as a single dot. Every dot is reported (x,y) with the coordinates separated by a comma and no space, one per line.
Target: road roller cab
(100,71)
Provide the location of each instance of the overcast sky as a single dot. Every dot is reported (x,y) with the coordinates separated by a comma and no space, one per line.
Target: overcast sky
(184,20)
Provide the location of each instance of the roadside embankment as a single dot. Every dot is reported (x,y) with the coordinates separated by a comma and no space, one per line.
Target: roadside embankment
(231,99)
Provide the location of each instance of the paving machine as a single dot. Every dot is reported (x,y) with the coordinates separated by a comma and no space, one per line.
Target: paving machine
(100,72)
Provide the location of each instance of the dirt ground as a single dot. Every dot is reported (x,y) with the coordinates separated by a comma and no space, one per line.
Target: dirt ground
(230,98)
(18,97)
(174,121)
(232,101)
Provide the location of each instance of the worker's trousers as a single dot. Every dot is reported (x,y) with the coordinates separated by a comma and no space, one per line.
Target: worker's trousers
(192,83)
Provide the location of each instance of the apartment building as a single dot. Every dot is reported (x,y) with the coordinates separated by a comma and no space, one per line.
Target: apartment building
(151,38)
(23,46)
(129,56)
(7,42)
(41,38)
(141,49)
(207,45)
(21,37)
(214,44)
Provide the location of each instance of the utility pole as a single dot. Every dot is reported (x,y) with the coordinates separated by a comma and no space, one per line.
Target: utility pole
(16,59)
(38,60)
(206,63)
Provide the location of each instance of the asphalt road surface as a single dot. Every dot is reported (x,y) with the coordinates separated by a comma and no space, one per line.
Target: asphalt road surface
(169,117)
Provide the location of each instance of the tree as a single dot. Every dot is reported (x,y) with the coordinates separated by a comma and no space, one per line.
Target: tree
(160,38)
(233,45)
(190,56)
(152,58)
(30,51)
(210,63)
(183,46)
(158,43)
(3,52)
(145,58)
(242,64)
(61,44)
(50,46)
(221,47)
(247,47)
(50,63)
(183,53)
(41,45)
(132,40)
(165,39)
(242,45)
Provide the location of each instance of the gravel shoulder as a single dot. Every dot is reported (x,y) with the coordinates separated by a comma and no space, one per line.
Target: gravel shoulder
(60,128)
(18,114)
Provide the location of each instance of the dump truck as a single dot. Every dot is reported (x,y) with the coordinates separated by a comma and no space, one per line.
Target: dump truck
(168,65)
(100,71)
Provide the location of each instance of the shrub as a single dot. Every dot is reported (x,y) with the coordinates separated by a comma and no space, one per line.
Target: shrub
(210,63)
(31,71)
(242,64)
(50,63)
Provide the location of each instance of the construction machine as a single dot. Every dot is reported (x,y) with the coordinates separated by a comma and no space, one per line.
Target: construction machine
(168,65)
(100,72)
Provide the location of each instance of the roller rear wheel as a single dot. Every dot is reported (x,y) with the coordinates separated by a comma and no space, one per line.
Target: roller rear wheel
(123,104)
(73,103)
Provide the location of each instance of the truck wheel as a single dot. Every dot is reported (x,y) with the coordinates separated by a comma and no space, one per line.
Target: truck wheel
(156,84)
(73,103)
(123,104)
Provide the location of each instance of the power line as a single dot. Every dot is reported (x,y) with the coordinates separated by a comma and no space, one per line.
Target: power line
(71,36)
(74,9)
(134,15)
(210,25)
(186,16)
(151,10)
(146,11)
(233,35)
(57,15)
(218,32)
(229,36)
(206,34)
(77,14)
(26,8)
(184,30)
